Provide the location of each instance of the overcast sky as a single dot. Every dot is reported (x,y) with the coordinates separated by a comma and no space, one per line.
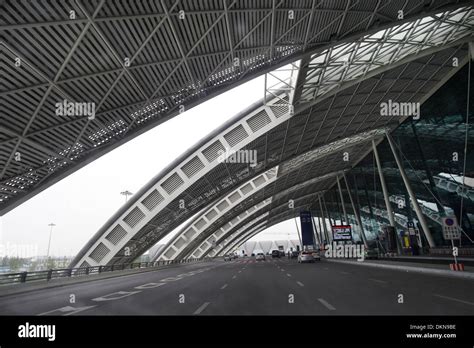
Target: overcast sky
(82,202)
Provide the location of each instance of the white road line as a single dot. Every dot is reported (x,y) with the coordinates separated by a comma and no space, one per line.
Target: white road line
(203,307)
(281,269)
(288,274)
(115,296)
(326,304)
(223,286)
(300,283)
(68,310)
(342,272)
(149,286)
(240,271)
(454,299)
(378,281)
(234,277)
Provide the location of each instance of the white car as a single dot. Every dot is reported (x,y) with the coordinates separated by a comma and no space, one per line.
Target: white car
(316,255)
(305,256)
(260,257)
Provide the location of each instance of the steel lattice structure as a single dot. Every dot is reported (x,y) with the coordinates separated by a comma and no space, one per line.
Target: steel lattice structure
(335,98)
(140,64)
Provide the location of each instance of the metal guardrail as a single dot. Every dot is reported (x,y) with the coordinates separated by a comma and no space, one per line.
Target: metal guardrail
(23,277)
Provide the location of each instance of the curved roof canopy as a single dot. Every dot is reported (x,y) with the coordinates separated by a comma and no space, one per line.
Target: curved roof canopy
(137,63)
(304,139)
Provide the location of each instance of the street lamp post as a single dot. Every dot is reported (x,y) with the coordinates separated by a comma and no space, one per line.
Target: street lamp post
(49,243)
(126,193)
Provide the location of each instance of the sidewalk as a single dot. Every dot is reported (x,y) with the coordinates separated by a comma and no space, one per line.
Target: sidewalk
(414,267)
(444,260)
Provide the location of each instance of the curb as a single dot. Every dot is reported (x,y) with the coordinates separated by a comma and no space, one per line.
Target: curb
(431,271)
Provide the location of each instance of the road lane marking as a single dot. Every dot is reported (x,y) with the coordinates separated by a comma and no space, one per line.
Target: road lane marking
(288,274)
(149,286)
(203,307)
(300,283)
(223,286)
(68,310)
(281,269)
(234,277)
(115,296)
(378,281)
(326,304)
(240,271)
(454,299)
(342,272)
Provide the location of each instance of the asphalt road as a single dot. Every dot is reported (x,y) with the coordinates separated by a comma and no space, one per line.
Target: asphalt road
(249,287)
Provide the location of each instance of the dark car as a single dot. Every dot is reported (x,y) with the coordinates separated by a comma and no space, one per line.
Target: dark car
(275,253)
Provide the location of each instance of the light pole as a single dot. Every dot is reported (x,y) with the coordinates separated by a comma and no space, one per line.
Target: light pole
(126,193)
(49,243)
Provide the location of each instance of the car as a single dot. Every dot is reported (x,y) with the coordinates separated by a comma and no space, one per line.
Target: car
(253,255)
(316,255)
(260,257)
(228,258)
(305,256)
(235,256)
(275,253)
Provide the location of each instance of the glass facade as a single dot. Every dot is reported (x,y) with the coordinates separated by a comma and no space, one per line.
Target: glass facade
(431,148)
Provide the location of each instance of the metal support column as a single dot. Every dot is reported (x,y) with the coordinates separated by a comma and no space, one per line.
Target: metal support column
(367,198)
(332,221)
(337,208)
(346,221)
(323,222)
(429,174)
(322,237)
(315,231)
(298,232)
(356,212)
(391,217)
(419,213)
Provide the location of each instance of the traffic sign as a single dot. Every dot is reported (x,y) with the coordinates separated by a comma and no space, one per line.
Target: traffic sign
(451,228)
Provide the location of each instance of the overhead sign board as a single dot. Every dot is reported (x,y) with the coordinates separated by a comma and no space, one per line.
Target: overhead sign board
(341,233)
(451,228)
(306,228)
